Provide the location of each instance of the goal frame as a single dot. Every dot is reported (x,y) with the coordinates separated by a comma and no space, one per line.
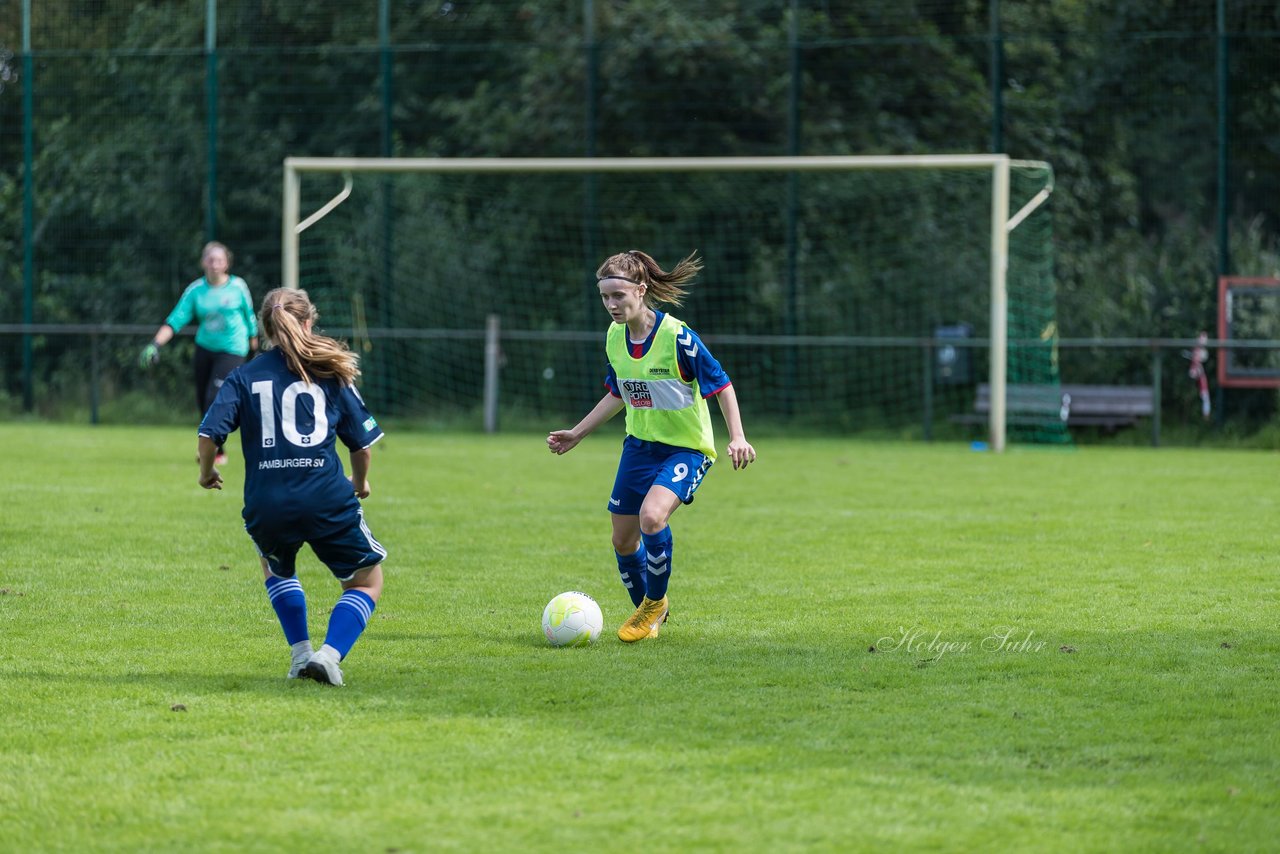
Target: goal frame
(1002,222)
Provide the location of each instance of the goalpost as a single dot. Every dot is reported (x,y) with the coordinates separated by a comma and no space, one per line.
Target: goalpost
(782,219)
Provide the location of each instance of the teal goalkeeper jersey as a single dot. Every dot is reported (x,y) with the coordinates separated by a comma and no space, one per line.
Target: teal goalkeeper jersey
(224,312)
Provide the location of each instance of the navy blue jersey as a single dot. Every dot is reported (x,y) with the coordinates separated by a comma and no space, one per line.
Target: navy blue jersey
(695,361)
(294,482)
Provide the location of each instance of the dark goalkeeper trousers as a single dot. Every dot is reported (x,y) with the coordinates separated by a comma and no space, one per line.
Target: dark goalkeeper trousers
(211,369)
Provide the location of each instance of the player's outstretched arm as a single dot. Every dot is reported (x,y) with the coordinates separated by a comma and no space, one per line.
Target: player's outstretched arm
(360,461)
(151,353)
(209,476)
(740,450)
(563,441)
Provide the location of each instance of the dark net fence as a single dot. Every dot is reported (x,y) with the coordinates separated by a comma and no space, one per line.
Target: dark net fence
(132,133)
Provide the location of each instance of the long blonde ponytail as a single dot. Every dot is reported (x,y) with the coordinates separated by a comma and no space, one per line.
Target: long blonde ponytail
(286,318)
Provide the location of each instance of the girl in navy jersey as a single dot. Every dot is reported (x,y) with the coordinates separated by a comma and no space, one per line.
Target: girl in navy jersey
(291,405)
(661,372)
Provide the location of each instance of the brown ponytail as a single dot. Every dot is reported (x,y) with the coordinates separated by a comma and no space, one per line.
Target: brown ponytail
(661,286)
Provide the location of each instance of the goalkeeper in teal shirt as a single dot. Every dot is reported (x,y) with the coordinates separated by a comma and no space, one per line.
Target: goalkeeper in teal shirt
(227,333)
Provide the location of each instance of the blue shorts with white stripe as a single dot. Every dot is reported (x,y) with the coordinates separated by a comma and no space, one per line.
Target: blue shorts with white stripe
(346,551)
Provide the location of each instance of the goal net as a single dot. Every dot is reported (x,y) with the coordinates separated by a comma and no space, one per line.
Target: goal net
(853,294)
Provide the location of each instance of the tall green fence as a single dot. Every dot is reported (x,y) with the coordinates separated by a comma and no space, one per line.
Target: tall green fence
(132,133)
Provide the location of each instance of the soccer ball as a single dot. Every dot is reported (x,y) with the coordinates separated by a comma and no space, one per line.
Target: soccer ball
(572,619)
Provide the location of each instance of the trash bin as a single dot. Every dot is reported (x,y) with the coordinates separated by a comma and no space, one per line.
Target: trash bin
(953,364)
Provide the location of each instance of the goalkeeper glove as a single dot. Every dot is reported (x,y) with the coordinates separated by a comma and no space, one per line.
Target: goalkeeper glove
(150,355)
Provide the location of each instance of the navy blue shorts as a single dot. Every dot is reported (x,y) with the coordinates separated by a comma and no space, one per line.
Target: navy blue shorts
(647,464)
(345,552)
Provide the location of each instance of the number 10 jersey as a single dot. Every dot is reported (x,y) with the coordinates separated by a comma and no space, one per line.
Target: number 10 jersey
(294,481)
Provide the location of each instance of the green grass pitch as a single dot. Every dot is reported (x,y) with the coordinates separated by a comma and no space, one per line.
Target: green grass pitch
(1073,651)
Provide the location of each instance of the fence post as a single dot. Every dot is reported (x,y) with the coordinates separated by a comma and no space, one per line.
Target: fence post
(1157,371)
(28,210)
(928,391)
(93,377)
(1223,71)
(995,65)
(211,116)
(492,354)
(791,319)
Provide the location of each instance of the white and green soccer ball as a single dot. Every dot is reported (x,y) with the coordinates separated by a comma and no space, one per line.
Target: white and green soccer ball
(572,619)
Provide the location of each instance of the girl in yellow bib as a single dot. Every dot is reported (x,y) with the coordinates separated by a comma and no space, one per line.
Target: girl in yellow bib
(661,373)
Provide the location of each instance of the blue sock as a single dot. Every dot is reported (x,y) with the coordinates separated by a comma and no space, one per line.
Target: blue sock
(290,604)
(348,620)
(632,569)
(658,572)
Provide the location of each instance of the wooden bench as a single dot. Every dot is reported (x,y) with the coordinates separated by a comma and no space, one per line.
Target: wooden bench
(1023,405)
(1107,406)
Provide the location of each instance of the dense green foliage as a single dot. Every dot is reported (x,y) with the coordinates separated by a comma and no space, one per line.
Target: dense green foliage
(1132,706)
(1121,97)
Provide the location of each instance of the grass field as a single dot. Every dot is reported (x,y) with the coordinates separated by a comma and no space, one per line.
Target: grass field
(1073,651)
